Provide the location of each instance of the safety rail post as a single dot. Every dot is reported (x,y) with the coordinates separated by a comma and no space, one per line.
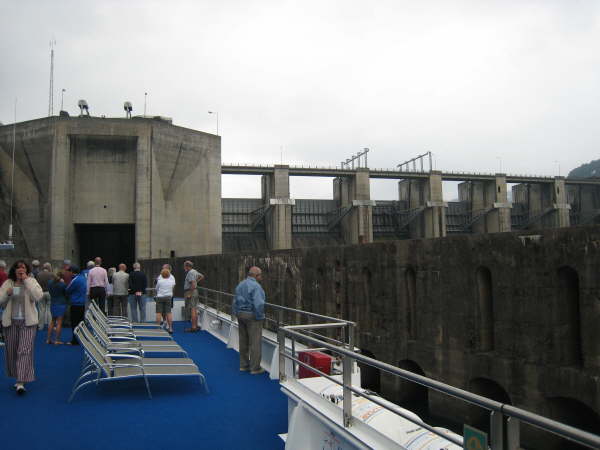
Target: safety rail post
(513,434)
(350,326)
(496,430)
(281,345)
(293,356)
(280,322)
(347,381)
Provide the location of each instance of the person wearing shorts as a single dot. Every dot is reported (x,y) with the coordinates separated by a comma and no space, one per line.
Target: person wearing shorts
(192,277)
(164,294)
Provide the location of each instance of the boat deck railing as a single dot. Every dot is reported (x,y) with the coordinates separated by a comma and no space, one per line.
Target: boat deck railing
(504,418)
(277,316)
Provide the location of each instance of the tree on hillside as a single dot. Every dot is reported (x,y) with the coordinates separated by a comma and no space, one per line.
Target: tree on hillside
(589,170)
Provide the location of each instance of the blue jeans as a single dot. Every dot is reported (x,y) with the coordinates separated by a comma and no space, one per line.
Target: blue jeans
(135,302)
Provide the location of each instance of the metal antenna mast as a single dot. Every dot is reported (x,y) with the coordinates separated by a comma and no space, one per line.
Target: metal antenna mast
(51,93)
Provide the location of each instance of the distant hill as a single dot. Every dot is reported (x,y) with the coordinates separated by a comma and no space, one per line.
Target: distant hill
(591,169)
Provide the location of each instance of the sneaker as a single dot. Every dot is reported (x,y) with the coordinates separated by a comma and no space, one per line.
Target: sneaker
(21,390)
(257,372)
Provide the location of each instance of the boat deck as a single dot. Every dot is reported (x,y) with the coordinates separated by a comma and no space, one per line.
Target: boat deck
(241,411)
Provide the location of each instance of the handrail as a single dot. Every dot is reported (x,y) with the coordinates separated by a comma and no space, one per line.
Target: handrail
(288,309)
(347,326)
(498,409)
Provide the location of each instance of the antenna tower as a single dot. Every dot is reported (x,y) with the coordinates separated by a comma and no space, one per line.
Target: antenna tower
(51,93)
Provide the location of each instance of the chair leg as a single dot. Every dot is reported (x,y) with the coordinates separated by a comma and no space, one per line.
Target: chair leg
(204,383)
(76,387)
(147,386)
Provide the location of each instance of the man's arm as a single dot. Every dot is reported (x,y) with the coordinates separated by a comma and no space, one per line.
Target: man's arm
(258,299)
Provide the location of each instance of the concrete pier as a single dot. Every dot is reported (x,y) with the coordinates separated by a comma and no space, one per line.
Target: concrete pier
(488,204)
(278,218)
(424,198)
(354,192)
(546,204)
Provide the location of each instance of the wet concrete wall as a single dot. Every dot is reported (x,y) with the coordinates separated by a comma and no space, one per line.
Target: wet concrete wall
(512,316)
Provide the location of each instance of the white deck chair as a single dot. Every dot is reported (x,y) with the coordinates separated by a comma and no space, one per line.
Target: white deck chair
(99,366)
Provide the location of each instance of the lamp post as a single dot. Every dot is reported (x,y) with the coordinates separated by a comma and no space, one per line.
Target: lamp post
(216,113)
(62,95)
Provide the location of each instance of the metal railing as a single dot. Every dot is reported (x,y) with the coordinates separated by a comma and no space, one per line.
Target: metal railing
(347,327)
(504,418)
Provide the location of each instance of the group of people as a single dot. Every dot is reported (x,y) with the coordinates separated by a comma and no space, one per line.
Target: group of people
(29,294)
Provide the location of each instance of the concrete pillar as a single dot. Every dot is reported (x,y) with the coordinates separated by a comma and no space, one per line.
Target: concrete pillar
(546,204)
(425,194)
(490,199)
(62,233)
(585,202)
(355,192)
(560,216)
(276,197)
(143,197)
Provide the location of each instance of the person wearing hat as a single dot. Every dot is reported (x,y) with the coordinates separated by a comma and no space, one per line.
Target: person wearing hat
(77,293)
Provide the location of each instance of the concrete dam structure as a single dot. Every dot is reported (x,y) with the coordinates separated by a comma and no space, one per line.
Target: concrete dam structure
(144,188)
(510,316)
(123,188)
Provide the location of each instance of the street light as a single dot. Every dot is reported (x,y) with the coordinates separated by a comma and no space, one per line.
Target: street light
(62,94)
(216,113)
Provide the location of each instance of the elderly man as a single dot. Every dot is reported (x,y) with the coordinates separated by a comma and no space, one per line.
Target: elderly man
(43,305)
(249,308)
(120,291)
(97,282)
(190,293)
(137,288)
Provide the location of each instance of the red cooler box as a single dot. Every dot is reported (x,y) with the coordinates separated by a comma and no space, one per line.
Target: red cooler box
(318,360)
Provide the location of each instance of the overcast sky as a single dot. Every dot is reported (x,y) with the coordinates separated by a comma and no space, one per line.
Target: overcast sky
(481,84)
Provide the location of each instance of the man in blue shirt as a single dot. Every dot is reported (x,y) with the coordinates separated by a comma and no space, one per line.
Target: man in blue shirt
(77,293)
(249,308)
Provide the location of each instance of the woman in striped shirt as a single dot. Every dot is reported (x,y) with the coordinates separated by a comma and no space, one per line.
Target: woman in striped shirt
(19,295)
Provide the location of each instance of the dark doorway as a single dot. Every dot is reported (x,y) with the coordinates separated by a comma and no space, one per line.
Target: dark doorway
(113,243)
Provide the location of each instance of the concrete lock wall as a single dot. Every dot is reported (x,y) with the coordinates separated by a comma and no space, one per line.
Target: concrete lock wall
(163,179)
(516,310)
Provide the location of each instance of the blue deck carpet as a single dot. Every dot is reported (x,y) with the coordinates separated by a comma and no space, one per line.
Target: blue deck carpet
(241,411)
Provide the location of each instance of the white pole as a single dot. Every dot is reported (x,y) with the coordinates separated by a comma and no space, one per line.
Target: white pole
(12,177)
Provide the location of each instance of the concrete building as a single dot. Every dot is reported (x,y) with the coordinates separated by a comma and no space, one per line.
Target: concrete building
(122,188)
